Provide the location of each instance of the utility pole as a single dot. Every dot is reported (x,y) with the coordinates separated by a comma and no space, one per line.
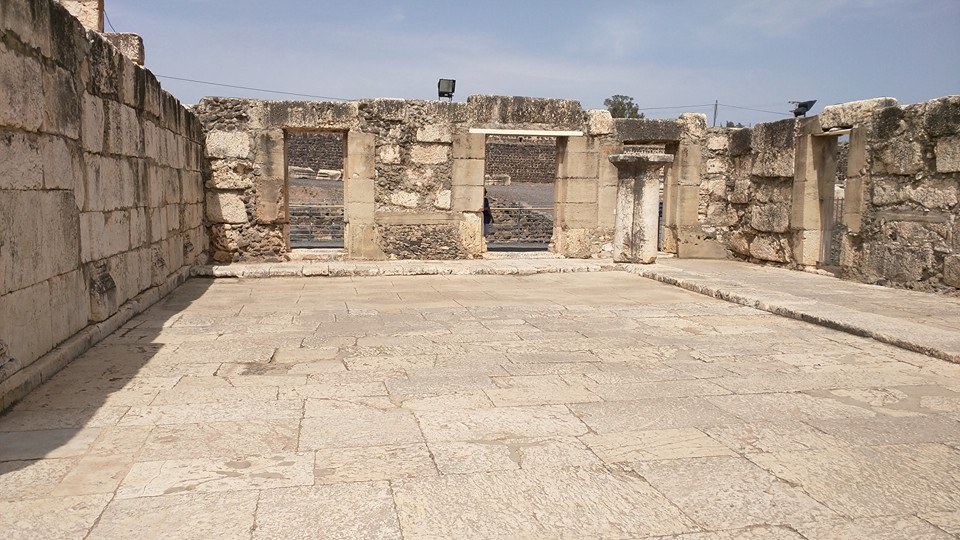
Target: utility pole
(715,105)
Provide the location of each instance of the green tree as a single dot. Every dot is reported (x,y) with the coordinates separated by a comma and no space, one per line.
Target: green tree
(730,124)
(621,106)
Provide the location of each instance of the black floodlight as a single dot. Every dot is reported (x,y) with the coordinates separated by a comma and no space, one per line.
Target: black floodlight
(803,107)
(446,88)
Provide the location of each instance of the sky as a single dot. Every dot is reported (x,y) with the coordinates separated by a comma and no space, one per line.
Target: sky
(689,54)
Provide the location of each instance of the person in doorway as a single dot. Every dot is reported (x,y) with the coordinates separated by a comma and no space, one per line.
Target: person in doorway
(487,214)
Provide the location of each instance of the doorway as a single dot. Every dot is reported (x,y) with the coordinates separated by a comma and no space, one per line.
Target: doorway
(520,174)
(315,199)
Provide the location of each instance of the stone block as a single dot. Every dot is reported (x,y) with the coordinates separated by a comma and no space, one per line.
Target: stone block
(599,122)
(158,223)
(61,165)
(576,190)
(525,112)
(92,122)
(21,165)
(774,136)
(770,218)
(430,154)
(847,115)
(226,207)
(774,164)
(467,198)
(30,21)
(770,248)
(69,305)
(405,199)
(718,142)
(139,227)
(577,215)
(129,45)
(102,189)
(303,114)
(269,203)
(359,212)
(192,216)
(646,130)
(61,112)
(359,190)
(191,190)
(103,234)
(899,157)
(579,165)
(469,145)
(389,154)
(607,207)
(948,154)
(20,226)
(468,172)
(741,142)
(942,116)
(443,200)
(228,144)
(88,12)
(951,270)
(21,89)
(693,127)
(435,133)
(60,234)
(228,174)
(26,324)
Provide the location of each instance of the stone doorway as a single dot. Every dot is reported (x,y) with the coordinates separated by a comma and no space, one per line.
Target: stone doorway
(520,175)
(829,153)
(315,189)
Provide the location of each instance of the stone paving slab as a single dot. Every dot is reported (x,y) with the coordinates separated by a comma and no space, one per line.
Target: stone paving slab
(562,405)
(916,321)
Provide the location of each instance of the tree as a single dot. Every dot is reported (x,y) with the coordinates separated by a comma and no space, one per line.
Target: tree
(621,106)
(730,124)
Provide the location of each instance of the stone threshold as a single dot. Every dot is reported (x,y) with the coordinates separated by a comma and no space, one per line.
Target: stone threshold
(478,267)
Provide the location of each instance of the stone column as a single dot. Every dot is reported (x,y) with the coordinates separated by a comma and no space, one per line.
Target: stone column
(638,199)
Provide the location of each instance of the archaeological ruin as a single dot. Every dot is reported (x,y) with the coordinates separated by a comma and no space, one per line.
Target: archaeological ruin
(112,192)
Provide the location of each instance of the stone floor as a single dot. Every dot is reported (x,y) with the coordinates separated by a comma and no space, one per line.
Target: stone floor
(595,405)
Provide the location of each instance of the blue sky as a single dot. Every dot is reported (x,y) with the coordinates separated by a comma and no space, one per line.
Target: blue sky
(750,53)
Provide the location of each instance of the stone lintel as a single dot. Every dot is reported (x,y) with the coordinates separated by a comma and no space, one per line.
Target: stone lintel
(525,132)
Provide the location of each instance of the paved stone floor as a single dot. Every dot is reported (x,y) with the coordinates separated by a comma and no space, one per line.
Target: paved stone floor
(599,405)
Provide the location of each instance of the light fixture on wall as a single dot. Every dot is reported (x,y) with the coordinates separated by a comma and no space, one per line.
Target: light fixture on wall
(446,88)
(803,107)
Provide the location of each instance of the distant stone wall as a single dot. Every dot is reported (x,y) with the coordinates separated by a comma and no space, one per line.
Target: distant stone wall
(317,151)
(101,192)
(414,174)
(523,159)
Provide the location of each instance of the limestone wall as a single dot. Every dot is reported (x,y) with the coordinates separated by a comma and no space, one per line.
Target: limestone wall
(100,190)
(413,174)
(765,192)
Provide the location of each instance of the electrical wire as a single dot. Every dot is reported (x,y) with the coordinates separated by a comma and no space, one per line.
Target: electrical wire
(677,107)
(249,88)
(755,110)
(108,21)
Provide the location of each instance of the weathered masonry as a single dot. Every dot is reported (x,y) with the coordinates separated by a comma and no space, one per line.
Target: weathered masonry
(773,193)
(101,191)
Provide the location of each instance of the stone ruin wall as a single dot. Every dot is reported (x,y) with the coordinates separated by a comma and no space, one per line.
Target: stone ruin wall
(901,209)
(414,175)
(316,151)
(522,159)
(100,191)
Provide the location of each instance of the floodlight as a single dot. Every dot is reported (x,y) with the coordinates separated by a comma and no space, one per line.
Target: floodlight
(446,87)
(803,107)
